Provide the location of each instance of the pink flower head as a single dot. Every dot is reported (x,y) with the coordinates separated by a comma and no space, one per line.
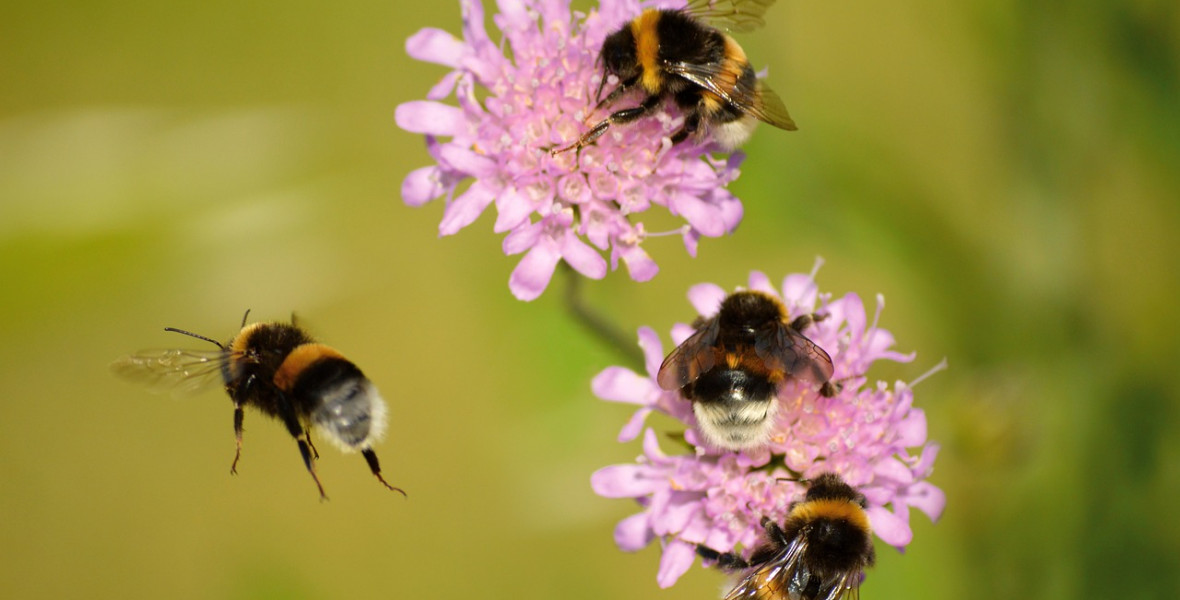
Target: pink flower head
(537,91)
(871,435)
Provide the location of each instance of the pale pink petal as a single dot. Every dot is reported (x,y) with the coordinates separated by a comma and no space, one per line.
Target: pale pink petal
(582,257)
(800,290)
(681,332)
(677,558)
(925,464)
(927,498)
(525,236)
(653,349)
(531,276)
(444,87)
(626,481)
(703,217)
(632,534)
(430,118)
(634,425)
(639,264)
(422,185)
(892,470)
(512,209)
(706,298)
(759,282)
(911,431)
(891,529)
(466,160)
(620,384)
(465,209)
(436,46)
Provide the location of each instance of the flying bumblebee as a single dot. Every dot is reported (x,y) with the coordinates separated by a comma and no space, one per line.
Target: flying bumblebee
(279,370)
(819,553)
(732,367)
(682,55)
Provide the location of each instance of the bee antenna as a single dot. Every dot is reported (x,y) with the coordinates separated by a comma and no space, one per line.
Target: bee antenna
(244,317)
(199,337)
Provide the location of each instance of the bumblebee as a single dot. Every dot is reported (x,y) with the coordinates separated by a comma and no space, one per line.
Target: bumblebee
(819,553)
(679,54)
(732,367)
(279,370)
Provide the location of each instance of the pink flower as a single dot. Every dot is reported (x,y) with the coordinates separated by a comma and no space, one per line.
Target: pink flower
(536,85)
(869,434)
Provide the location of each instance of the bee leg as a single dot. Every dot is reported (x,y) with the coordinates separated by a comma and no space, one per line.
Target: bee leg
(315,454)
(726,561)
(829,389)
(616,118)
(375,467)
(615,93)
(307,461)
(804,321)
(691,123)
(296,430)
(239,417)
(774,532)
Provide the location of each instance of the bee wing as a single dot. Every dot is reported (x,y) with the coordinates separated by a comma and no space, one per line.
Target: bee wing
(180,372)
(691,358)
(846,586)
(784,349)
(738,16)
(771,579)
(757,100)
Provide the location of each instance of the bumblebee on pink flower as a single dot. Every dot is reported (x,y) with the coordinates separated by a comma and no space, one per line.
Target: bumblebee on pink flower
(794,410)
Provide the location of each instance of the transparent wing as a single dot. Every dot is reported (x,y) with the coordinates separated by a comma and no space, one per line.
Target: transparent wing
(690,359)
(785,349)
(180,372)
(846,586)
(771,580)
(738,16)
(757,100)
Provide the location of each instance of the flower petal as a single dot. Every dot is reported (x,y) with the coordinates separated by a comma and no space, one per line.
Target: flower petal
(927,498)
(632,534)
(639,264)
(512,209)
(430,118)
(706,298)
(435,45)
(525,236)
(626,481)
(889,527)
(465,209)
(911,431)
(532,274)
(674,562)
(634,425)
(582,257)
(620,384)
(422,185)
(704,217)
(467,161)
(653,349)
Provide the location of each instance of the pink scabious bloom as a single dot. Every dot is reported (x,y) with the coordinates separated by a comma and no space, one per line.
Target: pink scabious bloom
(534,90)
(716,497)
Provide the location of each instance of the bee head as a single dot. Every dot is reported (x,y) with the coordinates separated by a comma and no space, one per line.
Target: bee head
(618,55)
(830,486)
(749,312)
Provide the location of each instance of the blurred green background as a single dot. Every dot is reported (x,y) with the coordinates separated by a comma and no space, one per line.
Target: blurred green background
(1005,173)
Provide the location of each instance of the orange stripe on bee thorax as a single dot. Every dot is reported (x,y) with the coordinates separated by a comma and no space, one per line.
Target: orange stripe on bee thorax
(836,509)
(647,49)
(299,359)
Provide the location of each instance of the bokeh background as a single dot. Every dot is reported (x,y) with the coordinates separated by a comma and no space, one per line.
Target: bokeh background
(1007,174)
